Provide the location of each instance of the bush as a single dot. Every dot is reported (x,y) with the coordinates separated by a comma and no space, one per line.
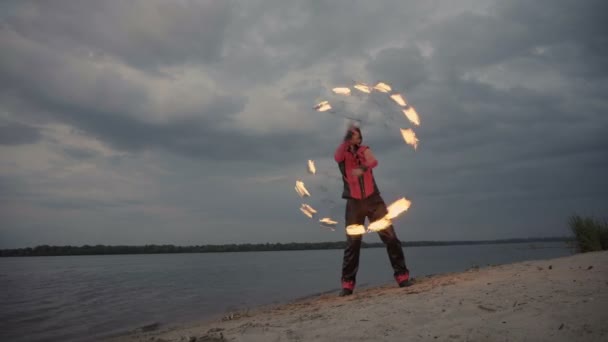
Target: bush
(590,234)
(604,236)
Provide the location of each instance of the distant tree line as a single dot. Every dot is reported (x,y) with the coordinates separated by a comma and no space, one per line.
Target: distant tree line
(46,250)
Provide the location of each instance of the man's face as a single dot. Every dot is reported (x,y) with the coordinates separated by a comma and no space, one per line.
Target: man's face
(355,139)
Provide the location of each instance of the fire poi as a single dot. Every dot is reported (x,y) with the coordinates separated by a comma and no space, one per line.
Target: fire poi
(399,206)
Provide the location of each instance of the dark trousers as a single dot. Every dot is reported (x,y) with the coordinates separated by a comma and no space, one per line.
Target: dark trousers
(372,208)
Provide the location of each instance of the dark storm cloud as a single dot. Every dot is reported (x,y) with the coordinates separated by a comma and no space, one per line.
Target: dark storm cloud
(107,104)
(13,133)
(478,128)
(401,68)
(516,27)
(466,113)
(142,33)
(512,103)
(510,149)
(37,73)
(559,21)
(197,137)
(84,204)
(9,187)
(108,108)
(273,38)
(80,153)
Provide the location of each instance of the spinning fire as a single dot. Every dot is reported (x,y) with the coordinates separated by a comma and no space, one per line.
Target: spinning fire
(409,136)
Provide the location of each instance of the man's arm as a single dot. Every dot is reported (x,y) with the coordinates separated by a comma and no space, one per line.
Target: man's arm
(370,160)
(343,148)
(340,152)
(370,163)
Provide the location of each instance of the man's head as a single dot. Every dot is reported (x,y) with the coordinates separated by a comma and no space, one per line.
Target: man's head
(353,135)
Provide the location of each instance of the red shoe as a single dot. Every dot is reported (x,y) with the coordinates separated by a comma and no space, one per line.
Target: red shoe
(403,279)
(347,287)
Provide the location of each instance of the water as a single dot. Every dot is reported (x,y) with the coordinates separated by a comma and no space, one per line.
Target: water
(82,298)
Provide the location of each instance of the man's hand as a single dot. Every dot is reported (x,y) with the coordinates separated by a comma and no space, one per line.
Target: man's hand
(357,172)
(370,159)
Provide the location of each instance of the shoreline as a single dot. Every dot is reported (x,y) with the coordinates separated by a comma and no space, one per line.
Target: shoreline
(247,247)
(560,299)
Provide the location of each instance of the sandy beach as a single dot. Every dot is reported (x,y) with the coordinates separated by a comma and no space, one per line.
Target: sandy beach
(563,299)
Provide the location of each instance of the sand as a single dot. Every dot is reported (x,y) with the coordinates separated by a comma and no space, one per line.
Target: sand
(562,299)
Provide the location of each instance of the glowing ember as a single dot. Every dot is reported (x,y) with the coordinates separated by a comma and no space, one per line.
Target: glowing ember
(410,114)
(355,229)
(363,88)
(379,225)
(398,98)
(341,91)
(395,209)
(398,207)
(301,189)
(311,167)
(326,221)
(382,87)
(410,137)
(323,106)
(307,210)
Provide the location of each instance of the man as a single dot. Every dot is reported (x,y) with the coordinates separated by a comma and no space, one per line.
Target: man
(363,200)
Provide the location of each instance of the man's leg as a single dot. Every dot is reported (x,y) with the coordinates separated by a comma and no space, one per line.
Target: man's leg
(395,255)
(378,210)
(350,263)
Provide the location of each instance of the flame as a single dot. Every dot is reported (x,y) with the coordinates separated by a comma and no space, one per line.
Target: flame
(410,137)
(308,210)
(328,222)
(301,189)
(395,209)
(379,225)
(355,229)
(398,207)
(323,106)
(410,114)
(363,88)
(311,167)
(342,91)
(382,87)
(399,99)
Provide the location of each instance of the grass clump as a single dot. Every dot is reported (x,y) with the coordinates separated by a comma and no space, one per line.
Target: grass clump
(590,234)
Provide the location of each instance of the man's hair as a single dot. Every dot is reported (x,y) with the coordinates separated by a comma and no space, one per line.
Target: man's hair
(351,130)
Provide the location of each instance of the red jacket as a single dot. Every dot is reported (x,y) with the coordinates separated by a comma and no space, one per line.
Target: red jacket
(347,159)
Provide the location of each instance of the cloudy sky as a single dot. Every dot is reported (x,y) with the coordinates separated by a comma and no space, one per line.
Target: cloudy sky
(188,122)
